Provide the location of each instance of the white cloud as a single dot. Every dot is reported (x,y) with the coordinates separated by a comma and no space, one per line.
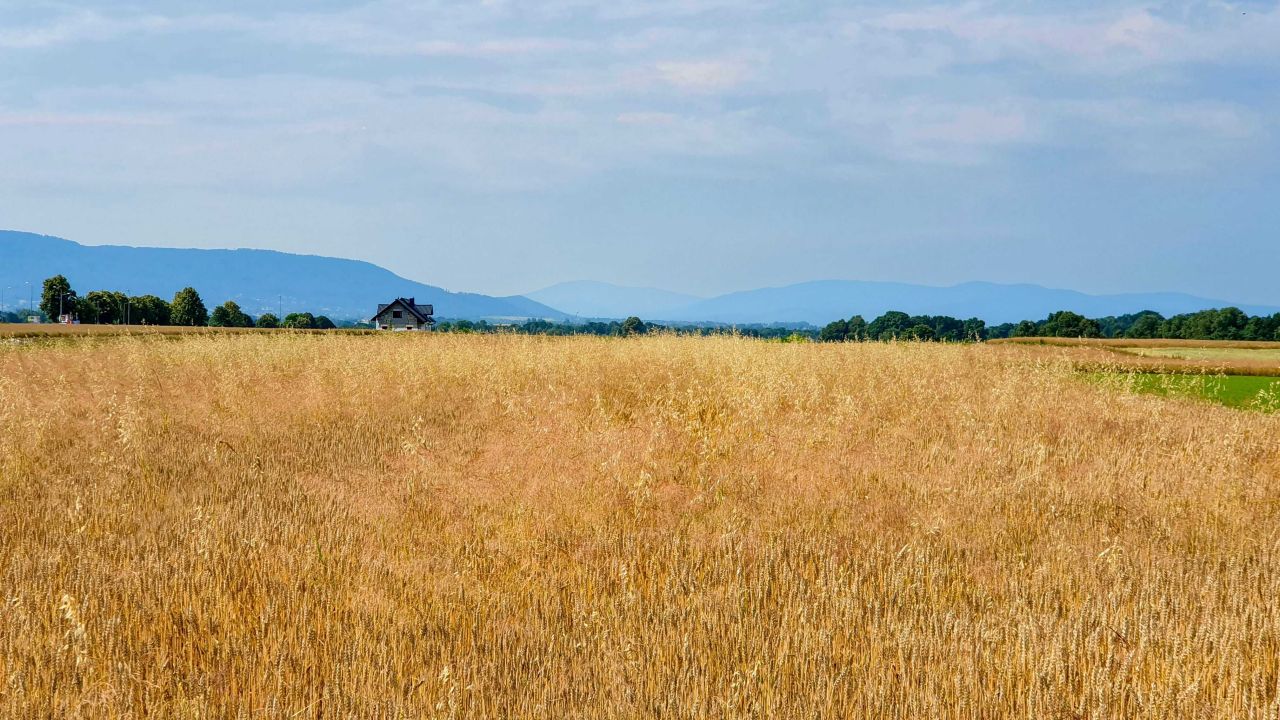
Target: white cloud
(498,48)
(72,120)
(704,76)
(647,118)
(1108,38)
(923,130)
(510,94)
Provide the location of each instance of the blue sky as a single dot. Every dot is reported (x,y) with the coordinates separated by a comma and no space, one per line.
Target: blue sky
(700,146)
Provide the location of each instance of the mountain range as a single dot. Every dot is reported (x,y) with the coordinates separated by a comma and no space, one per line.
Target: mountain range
(822,301)
(258,280)
(588,298)
(270,281)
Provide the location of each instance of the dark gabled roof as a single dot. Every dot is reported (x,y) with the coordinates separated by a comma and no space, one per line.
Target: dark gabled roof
(421,312)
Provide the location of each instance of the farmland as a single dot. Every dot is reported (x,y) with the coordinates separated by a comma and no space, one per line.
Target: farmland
(1211,353)
(276,525)
(1251,392)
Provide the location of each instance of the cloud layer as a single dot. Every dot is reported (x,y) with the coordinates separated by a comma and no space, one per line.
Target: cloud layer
(507,101)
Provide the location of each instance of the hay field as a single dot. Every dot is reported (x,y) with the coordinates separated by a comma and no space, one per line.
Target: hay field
(343,526)
(1212,353)
(57,331)
(1192,357)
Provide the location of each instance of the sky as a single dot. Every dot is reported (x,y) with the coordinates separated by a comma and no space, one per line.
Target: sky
(701,146)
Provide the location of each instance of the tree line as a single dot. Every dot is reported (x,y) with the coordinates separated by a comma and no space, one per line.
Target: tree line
(1218,324)
(1228,323)
(895,325)
(628,327)
(187,308)
(107,307)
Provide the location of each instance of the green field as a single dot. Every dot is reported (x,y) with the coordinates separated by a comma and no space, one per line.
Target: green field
(1208,353)
(1250,392)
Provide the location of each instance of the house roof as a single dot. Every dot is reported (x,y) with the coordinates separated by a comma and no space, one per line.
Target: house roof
(421,312)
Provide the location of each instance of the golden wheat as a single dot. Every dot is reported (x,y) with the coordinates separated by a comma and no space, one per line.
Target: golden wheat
(287,525)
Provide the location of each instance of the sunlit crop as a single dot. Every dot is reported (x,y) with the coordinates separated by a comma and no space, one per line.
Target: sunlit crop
(283,525)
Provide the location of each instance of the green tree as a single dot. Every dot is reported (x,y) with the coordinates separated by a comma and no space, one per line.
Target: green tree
(975,330)
(1145,327)
(57,297)
(1065,323)
(633,326)
(88,312)
(919,332)
(1229,324)
(324,323)
(105,307)
(220,317)
(268,320)
(148,310)
(229,314)
(889,326)
(837,331)
(1026,328)
(188,309)
(299,321)
(857,328)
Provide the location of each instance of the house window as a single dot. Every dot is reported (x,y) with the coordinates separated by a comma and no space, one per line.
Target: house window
(397,314)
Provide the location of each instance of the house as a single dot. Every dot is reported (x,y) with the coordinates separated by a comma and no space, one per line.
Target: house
(403,314)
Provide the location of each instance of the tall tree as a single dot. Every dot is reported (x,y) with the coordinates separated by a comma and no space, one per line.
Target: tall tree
(889,326)
(105,307)
(975,330)
(1065,323)
(268,320)
(229,314)
(633,326)
(836,331)
(57,297)
(857,328)
(148,310)
(1147,325)
(920,332)
(188,309)
(299,321)
(1026,328)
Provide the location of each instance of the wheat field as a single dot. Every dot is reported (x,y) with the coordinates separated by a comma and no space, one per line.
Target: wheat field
(446,526)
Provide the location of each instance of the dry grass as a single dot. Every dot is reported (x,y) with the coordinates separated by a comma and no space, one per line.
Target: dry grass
(1192,357)
(1139,343)
(56,331)
(1211,354)
(276,526)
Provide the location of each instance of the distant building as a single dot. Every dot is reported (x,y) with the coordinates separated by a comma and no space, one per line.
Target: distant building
(403,314)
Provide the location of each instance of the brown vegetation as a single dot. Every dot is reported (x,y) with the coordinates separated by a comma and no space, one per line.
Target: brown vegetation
(1232,358)
(1137,343)
(288,525)
(41,330)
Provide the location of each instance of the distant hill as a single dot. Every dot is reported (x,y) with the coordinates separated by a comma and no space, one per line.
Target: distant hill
(349,289)
(258,280)
(587,298)
(822,301)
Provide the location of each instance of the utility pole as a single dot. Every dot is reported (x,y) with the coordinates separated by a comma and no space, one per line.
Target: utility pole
(61,313)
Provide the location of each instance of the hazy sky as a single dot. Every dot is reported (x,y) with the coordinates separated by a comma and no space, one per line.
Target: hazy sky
(700,145)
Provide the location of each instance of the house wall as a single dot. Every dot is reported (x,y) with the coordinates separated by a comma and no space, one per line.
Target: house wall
(400,323)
